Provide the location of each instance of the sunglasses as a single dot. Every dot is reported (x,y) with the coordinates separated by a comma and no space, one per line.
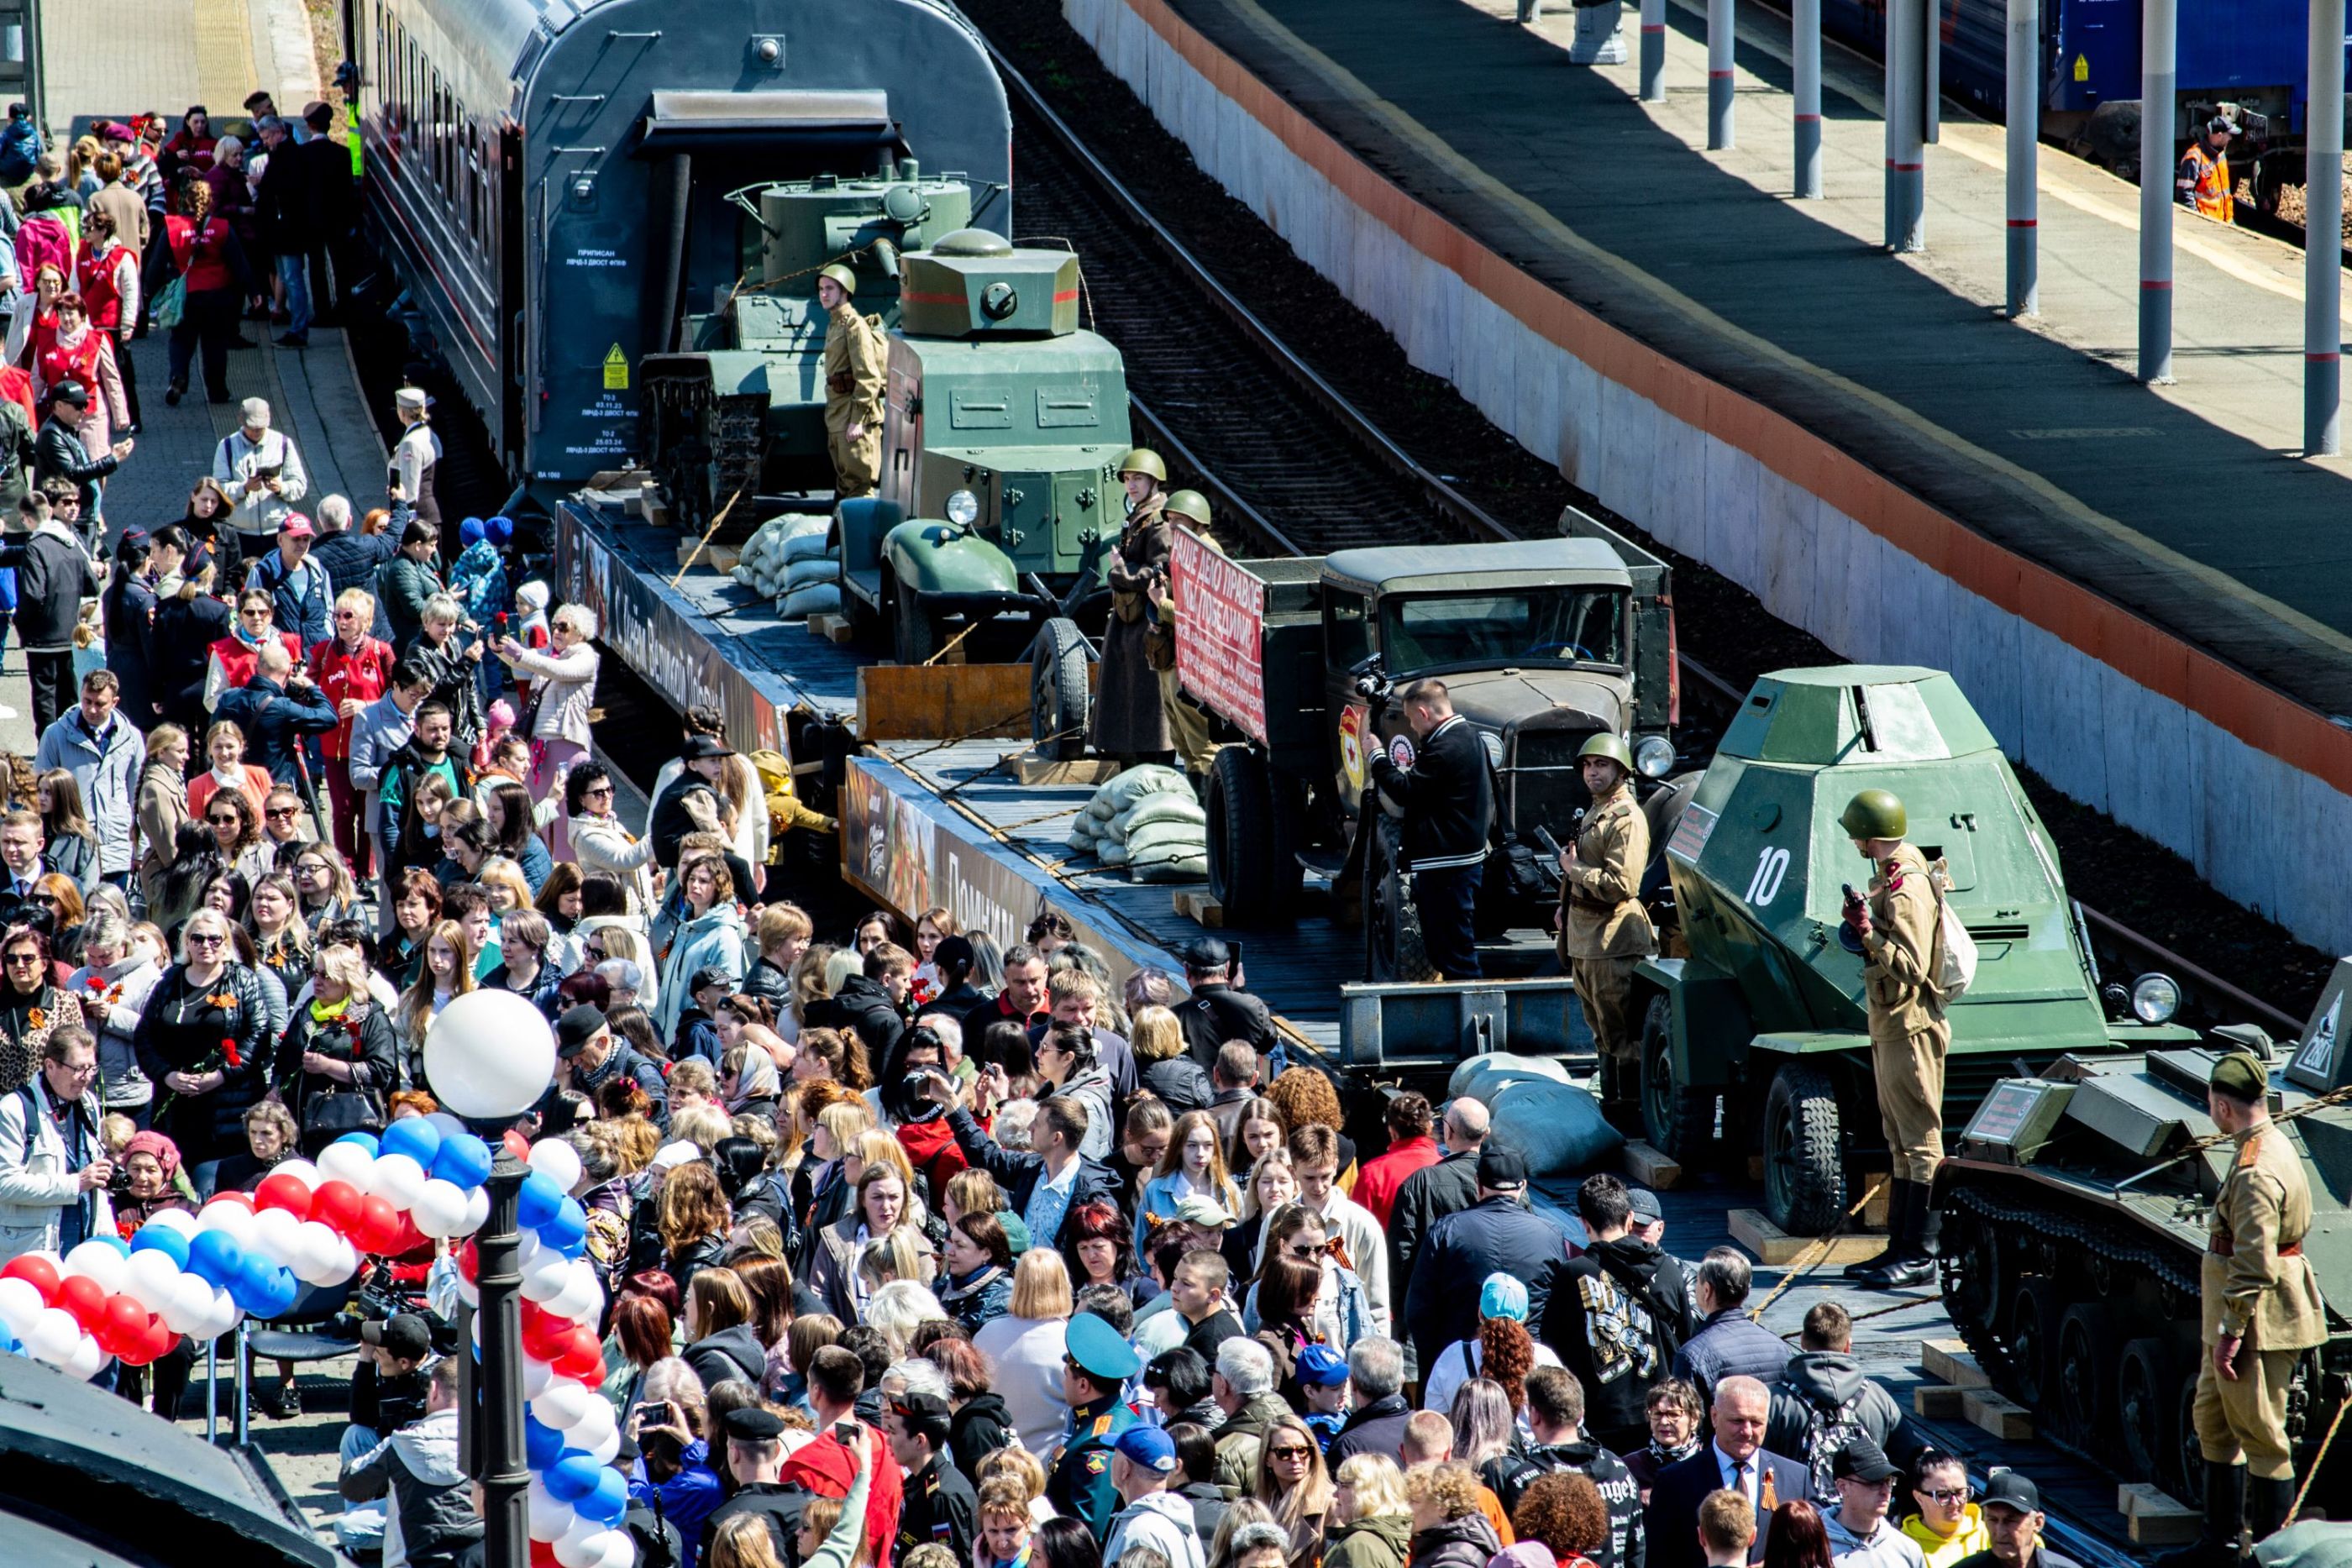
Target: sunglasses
(594,790)
(1294,1455)
(204,939)
(232,819)
(15,958)
(280,813)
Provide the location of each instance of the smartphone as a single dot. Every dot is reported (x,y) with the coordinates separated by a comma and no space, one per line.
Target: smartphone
(271,472)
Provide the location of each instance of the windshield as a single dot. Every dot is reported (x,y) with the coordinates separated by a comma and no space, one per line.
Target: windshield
(1530,625)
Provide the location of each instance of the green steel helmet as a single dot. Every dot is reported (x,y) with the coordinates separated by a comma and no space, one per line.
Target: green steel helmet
(843,275)
(1143,460)
(1189,505)
(1874,814)
(1611,747)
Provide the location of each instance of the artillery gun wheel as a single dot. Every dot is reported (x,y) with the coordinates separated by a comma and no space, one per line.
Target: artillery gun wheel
(914,631)
(1252,844)
(1679,1120)
(1804,1153)
(2148,1412)
(1393,945)
(2033,1337)
(2084,1373)
(1060,700)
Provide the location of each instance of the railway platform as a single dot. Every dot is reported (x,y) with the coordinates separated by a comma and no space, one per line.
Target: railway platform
(2118,573)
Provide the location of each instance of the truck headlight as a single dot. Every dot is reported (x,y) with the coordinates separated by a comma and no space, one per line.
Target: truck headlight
(1655,757)
(1494,744)
(2154,998)
(964,509)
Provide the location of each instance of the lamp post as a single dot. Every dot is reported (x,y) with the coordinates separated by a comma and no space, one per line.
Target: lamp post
(500,1465)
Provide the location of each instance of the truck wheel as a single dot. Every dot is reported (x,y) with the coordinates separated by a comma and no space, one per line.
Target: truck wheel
(1679,1120)
(1249,846)
(1060,700)
(914,632)
(1392,945)
(1805,1159)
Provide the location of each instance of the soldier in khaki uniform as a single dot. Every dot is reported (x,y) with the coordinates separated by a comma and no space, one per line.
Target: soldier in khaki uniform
(856,361)
(2261,1312)
(1895,927)
(1604,932)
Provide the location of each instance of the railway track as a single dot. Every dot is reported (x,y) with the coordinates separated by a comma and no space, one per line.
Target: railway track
(1274,442)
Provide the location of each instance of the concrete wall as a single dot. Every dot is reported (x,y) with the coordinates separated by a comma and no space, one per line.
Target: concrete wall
(2250,787)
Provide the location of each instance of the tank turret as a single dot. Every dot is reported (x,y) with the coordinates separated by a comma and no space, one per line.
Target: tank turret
(975,284)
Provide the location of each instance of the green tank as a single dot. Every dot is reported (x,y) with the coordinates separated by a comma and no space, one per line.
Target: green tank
(740,406)
(1002,426)
(1755,1030)
(2075,1206)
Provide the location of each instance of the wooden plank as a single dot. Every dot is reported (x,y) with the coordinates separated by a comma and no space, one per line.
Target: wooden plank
(1874,1213)
(2146,1500)
(1949,1361)
(1776,1249)
(1936,1401)
(1031,768)
(2165,1528)
(934,702)
(1644,1166)
(1997,1414)
(830,627)
(1195,904)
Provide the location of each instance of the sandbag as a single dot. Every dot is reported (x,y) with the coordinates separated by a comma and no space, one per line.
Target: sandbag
(1195,869)
(1166,838)
(801,546)
(812,599)
(1111,851)
(1085,834)
(1557,1126)
(811,568)
(1150,779)
(1164,807)
(1471,1069)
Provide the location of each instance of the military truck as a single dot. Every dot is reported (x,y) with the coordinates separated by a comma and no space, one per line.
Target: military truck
(740,410)
(2074,1209)
(1001,430)
(1542,642)
(1756,1035)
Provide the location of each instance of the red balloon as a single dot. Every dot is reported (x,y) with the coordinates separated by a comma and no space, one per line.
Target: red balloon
(378,1228)
(542,1554)
(470,1264)
(36,1272)
(517,1145)
(582,1356)
(337,1206)
(284,1192)
(126,1324)
(85,1298)
(409,1239)
(159,1340)
(242,1199)
(541,1342)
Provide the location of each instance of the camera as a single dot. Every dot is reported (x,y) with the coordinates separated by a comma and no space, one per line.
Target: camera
(1370,679)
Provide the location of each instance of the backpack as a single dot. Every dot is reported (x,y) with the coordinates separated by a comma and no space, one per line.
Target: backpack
(1828,1432)
(1956,950)
(1664,1327)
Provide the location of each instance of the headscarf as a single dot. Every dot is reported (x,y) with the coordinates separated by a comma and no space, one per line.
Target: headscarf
(166,1153)
(756,1081)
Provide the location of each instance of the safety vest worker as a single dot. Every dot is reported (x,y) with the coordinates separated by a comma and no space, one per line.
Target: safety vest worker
(2203,181)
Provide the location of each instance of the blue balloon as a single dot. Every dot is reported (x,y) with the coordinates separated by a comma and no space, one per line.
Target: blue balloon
(214,1257)
(364,1140)
(160,1238)
(250,1289)
(414,1136)
(573,1476)
(608,1499)
(542,1445)
(575,1247)
(464,1160)
(569,1225)
(10,1344)
(539,1200)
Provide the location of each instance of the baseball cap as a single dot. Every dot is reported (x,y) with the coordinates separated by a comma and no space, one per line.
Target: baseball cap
(1644,1206)
(298,527)
(1319,1366)
(403,1334)
(1150,1447)
(702,747)
(71,393)
(2011,1489)
(1199,1208)
(1503,1296)
(1861,1460)
(1501,1168)
(576,1028)
(710,975)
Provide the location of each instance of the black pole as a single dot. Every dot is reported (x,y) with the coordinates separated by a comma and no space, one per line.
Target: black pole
(504,1474)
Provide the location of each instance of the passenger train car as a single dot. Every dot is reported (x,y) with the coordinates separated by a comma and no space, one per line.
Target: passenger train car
(552,179)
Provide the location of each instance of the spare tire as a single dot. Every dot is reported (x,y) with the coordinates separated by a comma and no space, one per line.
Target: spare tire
(1061,701)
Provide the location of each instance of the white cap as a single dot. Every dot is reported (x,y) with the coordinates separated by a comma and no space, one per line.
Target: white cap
(256,412)
(669,1156)
(411,398)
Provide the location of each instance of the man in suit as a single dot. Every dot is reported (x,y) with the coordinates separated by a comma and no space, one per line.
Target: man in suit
(1736,1460)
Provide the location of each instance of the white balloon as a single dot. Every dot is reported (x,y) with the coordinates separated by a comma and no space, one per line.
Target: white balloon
(449,1125)
(277,1234)
(582,1297)
(477,1212)
(558,1161)
(544,1280)
(301,1170)
(530,1250)
(594,1423)
(468,1293)
(349,1163)
(322,1252)
(151,1279)
(177,1220)
(221,1316)
(97,1260)
(439,1209)
(550,1516)
(20,1303)
(347,1260)
(581,1546)
(52,1335)
(399,1179)
(189,1308)
(603,1450)
(564,1405)
(491,1055)
(231,1219)
(620,1550)
(537,1377)
(86,1359)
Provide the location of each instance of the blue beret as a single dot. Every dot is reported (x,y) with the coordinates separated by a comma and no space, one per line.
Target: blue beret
(1098,1349)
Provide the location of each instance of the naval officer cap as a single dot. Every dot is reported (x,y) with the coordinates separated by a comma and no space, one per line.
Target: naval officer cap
(1097,1350)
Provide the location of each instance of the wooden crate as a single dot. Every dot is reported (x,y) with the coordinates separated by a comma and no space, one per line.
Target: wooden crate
(1195,904)
(2153,1517)
(1031,768)
(1997,1414)
(932,702)
(1949,1361)
(1644,1166)
(833,628)
(1776,1249)
(1936,1401)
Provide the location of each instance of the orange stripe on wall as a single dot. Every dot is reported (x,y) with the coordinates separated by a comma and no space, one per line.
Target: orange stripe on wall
(2266,719)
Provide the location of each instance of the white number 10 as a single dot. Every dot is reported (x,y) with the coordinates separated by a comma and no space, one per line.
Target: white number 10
(1771,865)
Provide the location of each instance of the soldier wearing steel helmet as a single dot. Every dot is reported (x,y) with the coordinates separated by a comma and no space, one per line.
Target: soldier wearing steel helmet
(1188,722)
(2261,1310)
(1604,932)
(1128,721)
(1894,926)
(856,361)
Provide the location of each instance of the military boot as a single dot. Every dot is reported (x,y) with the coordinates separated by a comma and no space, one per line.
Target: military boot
(2268,1503)
(1898,1205)
(1914,1262)
(2216,1545)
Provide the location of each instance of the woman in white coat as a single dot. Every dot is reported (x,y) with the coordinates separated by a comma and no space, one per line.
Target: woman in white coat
(558,732)
(601,843)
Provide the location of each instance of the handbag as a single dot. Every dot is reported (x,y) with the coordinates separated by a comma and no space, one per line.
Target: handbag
(171,306)
(338,1109)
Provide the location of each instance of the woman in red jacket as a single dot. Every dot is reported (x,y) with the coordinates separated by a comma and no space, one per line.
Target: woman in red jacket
(353,670)
(229,662)
(80,352)
(205,249)
(107,278)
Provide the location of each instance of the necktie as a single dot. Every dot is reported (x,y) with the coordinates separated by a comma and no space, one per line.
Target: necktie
(1742,1465)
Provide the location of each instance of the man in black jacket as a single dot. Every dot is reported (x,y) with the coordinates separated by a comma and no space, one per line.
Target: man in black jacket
(1216,1011)
(875,1003)
(59,452)
(1376,1390)
(1496,1235)
(691,798)
(755,1458)
(1555,1415)
(1619,1313)
(587,1055)
(1044,1186)
(940,1507)
(1447,808)
(53,576)
(331,205)
(351,558)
